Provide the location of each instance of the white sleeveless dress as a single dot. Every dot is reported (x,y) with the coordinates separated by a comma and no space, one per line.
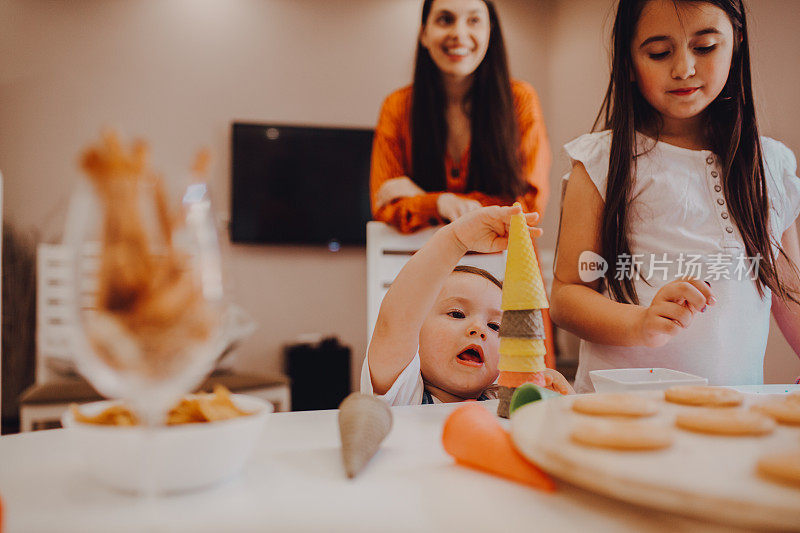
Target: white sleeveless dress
(678,209)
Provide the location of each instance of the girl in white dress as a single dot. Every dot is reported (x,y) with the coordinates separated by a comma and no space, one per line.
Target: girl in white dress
(691,212)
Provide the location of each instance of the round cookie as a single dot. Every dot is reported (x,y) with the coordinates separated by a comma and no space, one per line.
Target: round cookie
(794,396)
(703,395)
(781,466)
(732,422)
(614,404)
(622,435)
(784,410)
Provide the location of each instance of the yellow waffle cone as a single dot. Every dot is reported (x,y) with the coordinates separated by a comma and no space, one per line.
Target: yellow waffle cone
(522,287)
(524,363)
(517,347)
(364,421)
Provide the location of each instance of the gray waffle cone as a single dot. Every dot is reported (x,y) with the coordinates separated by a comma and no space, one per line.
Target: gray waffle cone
(528,324)
(505,393)
(364,421)
(503,408)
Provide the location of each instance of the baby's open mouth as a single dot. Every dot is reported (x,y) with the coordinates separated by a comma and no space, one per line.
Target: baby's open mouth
(471,356)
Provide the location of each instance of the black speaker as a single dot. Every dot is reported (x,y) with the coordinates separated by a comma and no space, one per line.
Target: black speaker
(320,374)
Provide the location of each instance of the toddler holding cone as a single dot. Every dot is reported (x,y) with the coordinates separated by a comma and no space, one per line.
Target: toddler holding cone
(437,334)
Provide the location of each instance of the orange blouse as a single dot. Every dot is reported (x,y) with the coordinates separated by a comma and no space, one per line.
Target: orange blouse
(391,158)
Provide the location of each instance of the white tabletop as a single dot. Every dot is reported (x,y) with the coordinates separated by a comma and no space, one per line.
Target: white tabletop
(295,482)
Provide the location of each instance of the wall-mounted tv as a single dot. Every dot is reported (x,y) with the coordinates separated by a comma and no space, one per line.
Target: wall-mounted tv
(300,185)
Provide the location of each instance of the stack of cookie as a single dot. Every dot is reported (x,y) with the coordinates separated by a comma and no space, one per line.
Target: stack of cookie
(522,347)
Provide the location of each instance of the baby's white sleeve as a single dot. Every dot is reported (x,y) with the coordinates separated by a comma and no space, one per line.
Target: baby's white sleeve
(407,389)
(592,149)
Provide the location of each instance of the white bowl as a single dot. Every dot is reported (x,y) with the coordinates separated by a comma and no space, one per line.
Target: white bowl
(630,379)
(182,457)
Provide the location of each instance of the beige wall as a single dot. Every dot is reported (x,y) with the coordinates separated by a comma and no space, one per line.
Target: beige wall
(179,71)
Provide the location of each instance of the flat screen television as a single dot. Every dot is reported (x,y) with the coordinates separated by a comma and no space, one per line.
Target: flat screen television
(300,185)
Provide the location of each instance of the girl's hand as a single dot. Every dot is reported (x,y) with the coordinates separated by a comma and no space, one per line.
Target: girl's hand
(555,381)
(673,309)
(485,230)
(451,206)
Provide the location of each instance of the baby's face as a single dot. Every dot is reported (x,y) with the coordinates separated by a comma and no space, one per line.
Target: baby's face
(459,342)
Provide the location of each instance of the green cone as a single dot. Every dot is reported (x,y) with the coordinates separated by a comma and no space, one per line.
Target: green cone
(527,393)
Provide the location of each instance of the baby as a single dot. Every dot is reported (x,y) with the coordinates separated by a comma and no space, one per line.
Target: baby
(436,338)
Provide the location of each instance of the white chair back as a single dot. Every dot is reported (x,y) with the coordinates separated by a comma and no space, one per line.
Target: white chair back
(55,312)
(388,250)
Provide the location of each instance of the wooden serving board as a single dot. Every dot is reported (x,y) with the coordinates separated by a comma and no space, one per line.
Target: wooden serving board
(704,476)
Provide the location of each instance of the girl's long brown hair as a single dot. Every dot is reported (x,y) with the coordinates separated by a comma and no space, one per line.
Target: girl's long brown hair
(733,135)
(494,165)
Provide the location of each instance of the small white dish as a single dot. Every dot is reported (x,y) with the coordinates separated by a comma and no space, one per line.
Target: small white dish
(634,379)
(184,457)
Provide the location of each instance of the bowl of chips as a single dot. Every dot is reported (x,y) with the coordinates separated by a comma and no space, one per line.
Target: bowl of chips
(207,439)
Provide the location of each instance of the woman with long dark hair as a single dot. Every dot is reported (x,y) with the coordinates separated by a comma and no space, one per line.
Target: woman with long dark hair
(688,207)
(464,134)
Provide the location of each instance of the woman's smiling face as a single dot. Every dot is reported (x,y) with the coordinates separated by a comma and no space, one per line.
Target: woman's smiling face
(456,35)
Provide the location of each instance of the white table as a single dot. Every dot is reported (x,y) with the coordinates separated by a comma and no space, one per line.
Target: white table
(295,482)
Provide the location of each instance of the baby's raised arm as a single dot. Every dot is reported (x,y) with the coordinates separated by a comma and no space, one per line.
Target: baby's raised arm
(412,294)
(578,306)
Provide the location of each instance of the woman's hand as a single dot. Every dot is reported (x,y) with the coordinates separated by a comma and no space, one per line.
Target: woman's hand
(396,188)
(485,230)
(672,310)
(451,206)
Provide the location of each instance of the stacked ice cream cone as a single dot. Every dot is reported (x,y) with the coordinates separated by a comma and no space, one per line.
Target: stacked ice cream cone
(364,421)
(522,347)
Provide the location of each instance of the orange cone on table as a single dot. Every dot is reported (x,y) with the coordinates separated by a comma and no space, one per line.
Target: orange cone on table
(522,346)
(364,421)
(473,436)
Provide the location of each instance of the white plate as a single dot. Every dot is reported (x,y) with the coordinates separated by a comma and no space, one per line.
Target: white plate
(183,457)
(632,379)
(704,476)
